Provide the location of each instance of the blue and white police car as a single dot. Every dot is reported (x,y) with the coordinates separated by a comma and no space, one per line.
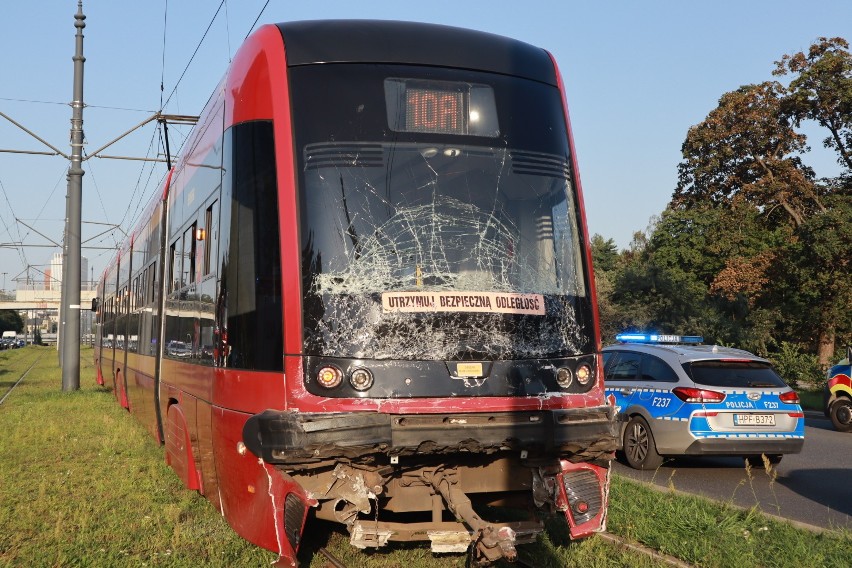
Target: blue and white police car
(675,396)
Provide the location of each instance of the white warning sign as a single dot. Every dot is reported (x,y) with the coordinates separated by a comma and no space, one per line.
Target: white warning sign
(491,302)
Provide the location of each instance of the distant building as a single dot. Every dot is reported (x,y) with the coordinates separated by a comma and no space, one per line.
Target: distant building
(53,275)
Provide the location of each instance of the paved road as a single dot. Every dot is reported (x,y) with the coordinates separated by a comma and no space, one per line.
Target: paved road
(813,487)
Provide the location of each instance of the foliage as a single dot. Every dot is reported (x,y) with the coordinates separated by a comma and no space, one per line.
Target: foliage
(822,91)
(753,250)
(604,254)
(10,320)
(799,370)
(746,152)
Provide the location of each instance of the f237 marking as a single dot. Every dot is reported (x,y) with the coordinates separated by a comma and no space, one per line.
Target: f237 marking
(660,402)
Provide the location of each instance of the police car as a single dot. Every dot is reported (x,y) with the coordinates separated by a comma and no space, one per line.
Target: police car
(675,396)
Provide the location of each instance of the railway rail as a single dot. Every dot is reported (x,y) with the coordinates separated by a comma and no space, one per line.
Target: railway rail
(333,562)
(21,378)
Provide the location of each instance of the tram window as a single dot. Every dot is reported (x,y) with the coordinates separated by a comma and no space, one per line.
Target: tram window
(143,289)
(173,269)
(152,282)
(211,226)
(189,250)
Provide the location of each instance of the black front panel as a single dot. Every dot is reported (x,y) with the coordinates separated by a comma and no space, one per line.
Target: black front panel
(422,379)
(445,231)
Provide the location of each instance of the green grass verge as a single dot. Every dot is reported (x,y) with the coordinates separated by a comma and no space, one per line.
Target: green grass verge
(811,399)
(82,484)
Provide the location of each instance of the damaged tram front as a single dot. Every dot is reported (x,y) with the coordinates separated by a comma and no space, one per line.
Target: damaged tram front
(364,294)
(443,357)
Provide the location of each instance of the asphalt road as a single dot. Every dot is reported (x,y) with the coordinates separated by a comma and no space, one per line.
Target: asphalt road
(813,487)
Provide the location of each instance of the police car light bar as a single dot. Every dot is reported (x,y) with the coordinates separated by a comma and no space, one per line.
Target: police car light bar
(656,338)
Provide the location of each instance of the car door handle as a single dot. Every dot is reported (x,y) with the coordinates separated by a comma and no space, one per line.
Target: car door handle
(626,392)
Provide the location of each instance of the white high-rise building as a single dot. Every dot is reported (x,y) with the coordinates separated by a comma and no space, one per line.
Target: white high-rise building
(55,280)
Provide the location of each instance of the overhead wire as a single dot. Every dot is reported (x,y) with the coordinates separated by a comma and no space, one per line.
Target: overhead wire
(159,134)
(257,18)
(194,53)
(66,104)
(19,248)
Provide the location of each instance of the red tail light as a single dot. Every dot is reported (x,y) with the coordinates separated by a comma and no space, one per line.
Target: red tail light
(687,394)
(790,397)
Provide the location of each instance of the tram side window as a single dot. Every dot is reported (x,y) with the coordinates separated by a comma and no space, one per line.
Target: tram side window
(148,326)
(109,324)
(189,250)
(249,306)
(121,319)
(174,264)
(211,228)
(133,317)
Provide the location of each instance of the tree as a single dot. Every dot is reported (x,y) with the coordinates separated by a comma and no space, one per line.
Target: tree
(10,320)
(791,280)
(817,279)
(606,261)
(821,90)
(746,151)
(604,254)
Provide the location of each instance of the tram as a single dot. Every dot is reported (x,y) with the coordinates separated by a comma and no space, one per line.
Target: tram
(365,294)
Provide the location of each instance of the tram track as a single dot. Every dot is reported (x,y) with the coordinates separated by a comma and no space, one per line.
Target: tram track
(21,378)
(333,562)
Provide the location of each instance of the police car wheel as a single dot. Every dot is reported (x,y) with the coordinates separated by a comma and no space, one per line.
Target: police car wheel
(639,446)
(841,414)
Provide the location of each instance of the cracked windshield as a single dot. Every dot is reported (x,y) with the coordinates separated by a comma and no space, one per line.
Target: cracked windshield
(439,223)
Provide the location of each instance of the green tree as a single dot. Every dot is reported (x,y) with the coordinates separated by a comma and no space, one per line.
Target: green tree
(604,254)
(10,320)
(815,279)
(789,277)
(606,259)
(821,90)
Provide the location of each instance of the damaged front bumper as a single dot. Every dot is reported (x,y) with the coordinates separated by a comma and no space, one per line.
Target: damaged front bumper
(584,434)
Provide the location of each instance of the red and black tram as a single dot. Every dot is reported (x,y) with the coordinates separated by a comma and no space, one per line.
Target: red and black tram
(365,294)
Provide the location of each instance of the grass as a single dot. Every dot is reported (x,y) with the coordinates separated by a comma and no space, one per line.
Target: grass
(811,399)
(82,484)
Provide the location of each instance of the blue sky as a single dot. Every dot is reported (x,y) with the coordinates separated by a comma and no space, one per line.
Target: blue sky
(637,74)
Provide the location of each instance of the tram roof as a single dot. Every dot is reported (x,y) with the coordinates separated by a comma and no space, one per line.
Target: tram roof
(387,41)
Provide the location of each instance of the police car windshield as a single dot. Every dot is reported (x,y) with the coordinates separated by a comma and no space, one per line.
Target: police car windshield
(733,374)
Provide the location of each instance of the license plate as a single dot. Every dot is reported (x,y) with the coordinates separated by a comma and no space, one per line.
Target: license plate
(754,419)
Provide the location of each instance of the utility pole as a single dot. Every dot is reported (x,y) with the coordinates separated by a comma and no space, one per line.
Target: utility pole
(70,305)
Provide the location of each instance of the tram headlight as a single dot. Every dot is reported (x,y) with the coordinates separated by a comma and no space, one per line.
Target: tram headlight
(361,379)
(564,377)
(329,377)
(585,374)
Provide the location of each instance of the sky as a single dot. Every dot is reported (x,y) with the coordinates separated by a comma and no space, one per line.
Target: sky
(637,76)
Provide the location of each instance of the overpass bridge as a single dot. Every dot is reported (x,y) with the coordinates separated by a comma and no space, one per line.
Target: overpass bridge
(44,300)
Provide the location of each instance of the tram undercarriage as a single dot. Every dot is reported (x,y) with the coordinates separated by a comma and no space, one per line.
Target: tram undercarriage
(464,485)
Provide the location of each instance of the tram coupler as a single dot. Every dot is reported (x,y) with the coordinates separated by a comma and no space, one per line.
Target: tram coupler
(491,542)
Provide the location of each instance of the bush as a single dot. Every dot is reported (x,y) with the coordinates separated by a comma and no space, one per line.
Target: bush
(797,368)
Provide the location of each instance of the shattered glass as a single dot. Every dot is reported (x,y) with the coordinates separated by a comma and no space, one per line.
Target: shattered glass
(432,205)
(421,217)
